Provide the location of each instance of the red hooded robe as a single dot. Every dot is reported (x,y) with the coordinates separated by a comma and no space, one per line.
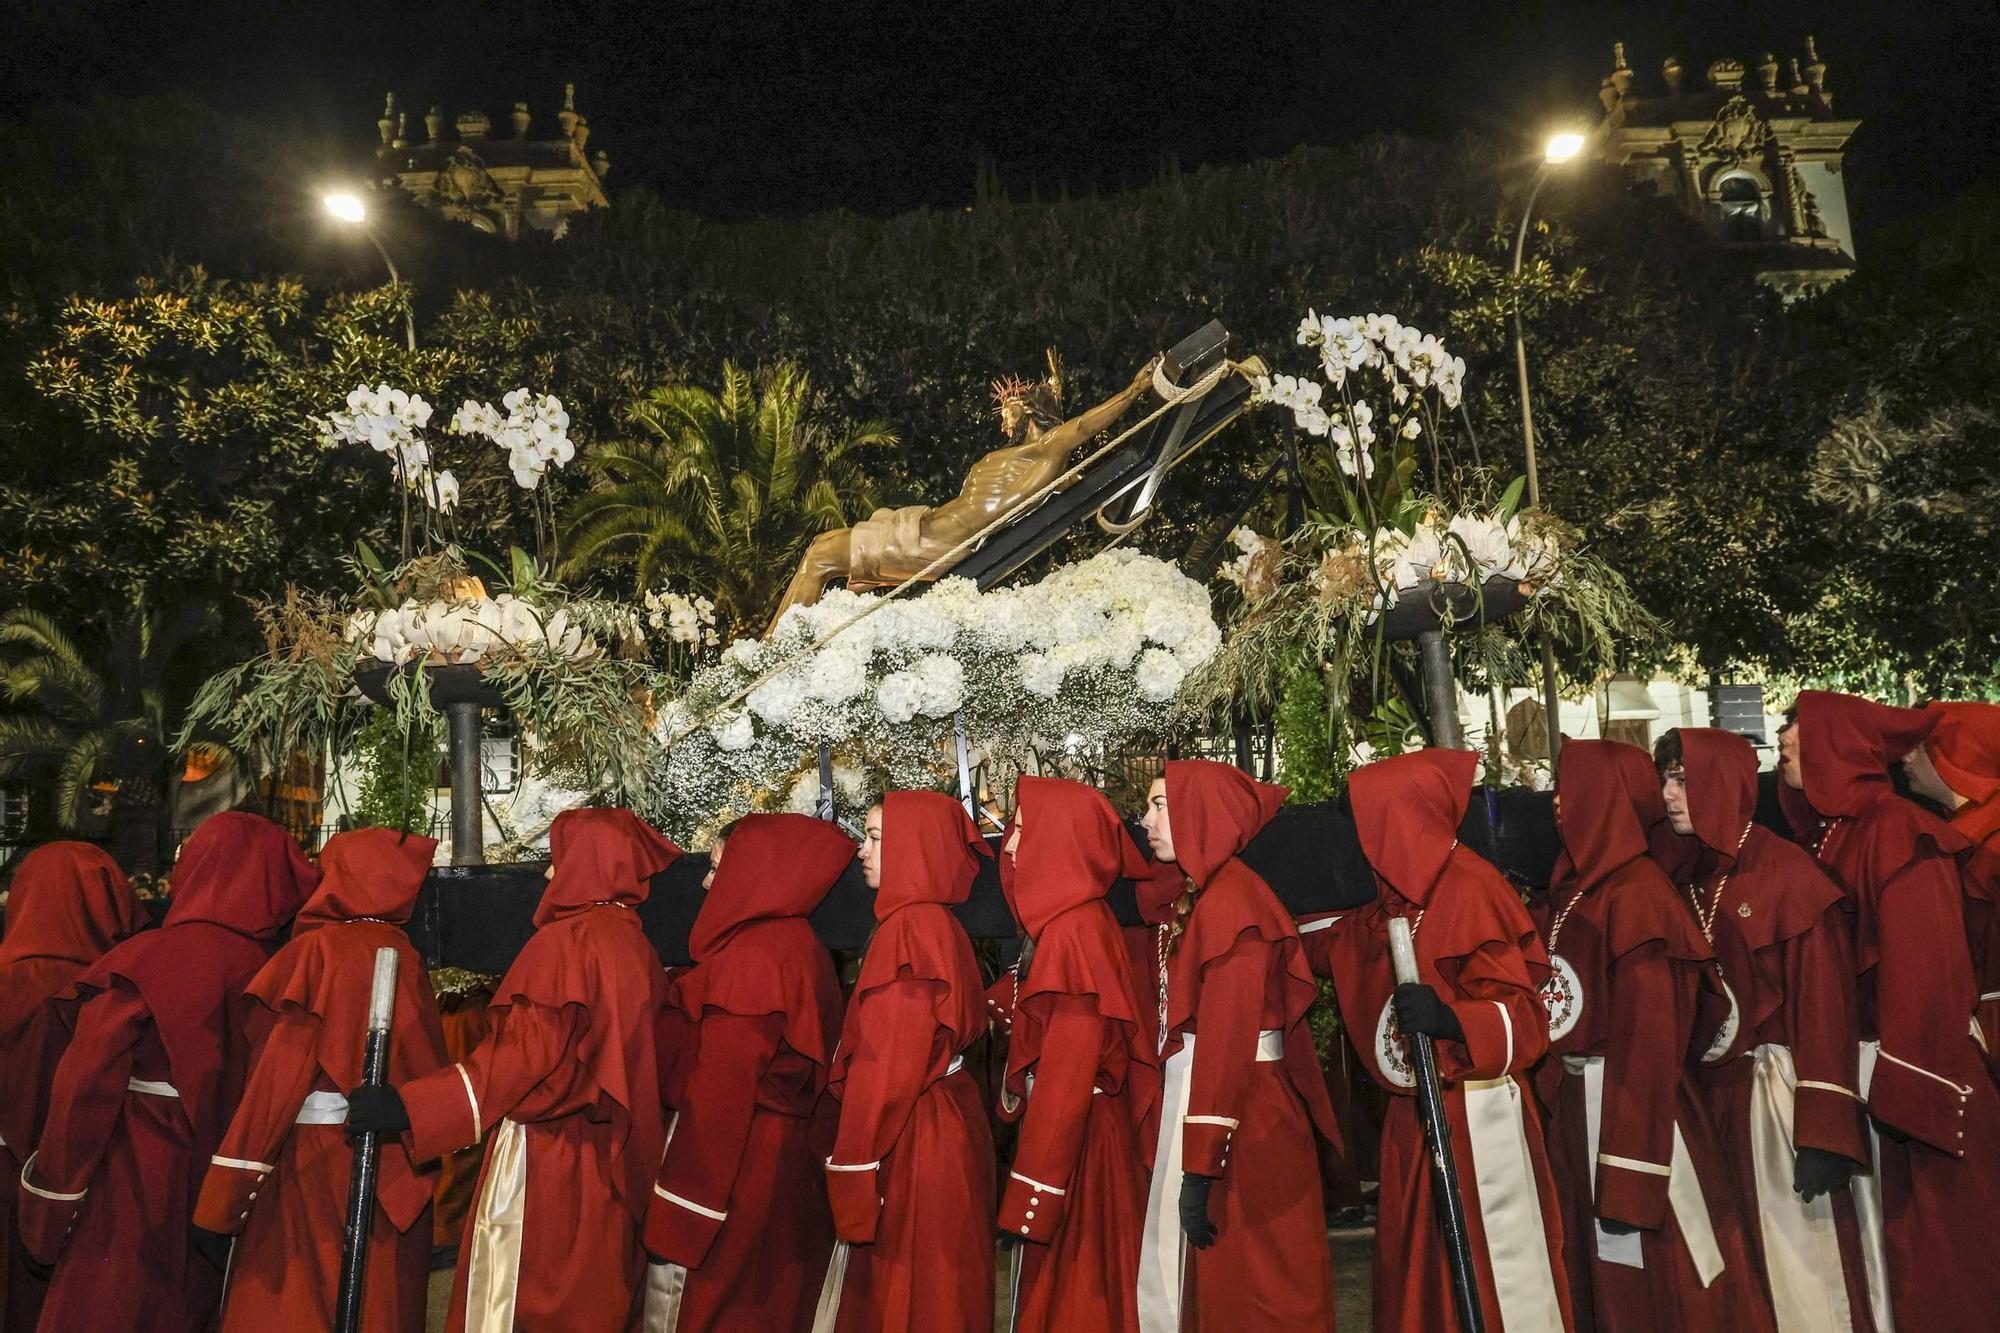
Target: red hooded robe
(1250,1087)
(1923,1074)
(1477,948)
(566,1085)
(148,1084)
(741,1200)
(911,1175)
(69,904)
(1629,1140)
(280,1175)
(1080,1067)
(1787,1080)
(1965,749)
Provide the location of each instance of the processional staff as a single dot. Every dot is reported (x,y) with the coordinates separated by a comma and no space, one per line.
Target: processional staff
(1437,1138)
(361,1180)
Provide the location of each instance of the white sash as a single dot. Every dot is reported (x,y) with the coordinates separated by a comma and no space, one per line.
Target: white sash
(1867,1190)
(1510,1207)
(1801,1245)
(1162,1249)
(493,1247)
(322,1108)
(1683,1190)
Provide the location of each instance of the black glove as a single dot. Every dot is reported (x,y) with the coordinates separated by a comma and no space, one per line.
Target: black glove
(1418,1009)
(38,1270)
(655,1260)
(1008,1240)
(1613,1228)
(1200,1232)
(379,1109)
(1815,1171)
(212,1246)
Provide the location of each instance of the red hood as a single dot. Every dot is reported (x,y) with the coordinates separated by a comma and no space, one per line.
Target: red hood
(1407,810)
(1608,803)
(1847,745)
(930,851)
(243,873)
(601,856)
(1214,810)
(69,901)
(1721,782)
(774,866)
(1072,847)
(1965,746)
(371,872)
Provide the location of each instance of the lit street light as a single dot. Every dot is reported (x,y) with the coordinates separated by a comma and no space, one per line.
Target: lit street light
(1561,148)
(348,209)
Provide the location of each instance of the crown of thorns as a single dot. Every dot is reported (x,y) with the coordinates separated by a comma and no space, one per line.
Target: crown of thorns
(1040,396)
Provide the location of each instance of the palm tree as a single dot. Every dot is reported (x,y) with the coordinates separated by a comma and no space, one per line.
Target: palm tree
(723,491)
(94,723)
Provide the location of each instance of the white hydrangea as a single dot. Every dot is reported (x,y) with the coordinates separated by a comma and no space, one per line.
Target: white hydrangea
(1041,675)
(733,733)
(899,696)
(1159,675)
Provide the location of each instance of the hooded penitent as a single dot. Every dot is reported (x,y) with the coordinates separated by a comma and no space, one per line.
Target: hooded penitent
(775,871)
(930,856)
(1072,847)
(602,858)
(239,880)
(68,906)
(369,879)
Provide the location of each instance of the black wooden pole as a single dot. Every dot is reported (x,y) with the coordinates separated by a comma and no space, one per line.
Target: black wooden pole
(361,1179)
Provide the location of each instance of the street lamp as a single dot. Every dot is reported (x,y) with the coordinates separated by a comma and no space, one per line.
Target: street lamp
(1560,149)
(348,209)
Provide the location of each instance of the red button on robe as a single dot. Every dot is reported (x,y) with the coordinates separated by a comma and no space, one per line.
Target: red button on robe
(282,1186)
(1929,1082)
(911,1175)
(1634,966)
(1080,1067)
(1476,946)
(148,1084)
(1965,749)
(566,1089)
(68,905)
(741,1199)
(1782,939)
(1252,1101)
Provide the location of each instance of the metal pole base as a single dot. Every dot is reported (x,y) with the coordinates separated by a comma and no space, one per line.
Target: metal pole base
(468,831)
(1440,690)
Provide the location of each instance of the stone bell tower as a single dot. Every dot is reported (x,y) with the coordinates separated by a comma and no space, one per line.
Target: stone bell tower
(505,184)
(1756,155)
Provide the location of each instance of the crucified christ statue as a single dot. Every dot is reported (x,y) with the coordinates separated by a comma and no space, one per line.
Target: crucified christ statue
(895,544)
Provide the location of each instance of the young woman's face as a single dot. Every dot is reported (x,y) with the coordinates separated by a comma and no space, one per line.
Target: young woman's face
(1013,838)
(871,848)
(714,864)
(1159,829)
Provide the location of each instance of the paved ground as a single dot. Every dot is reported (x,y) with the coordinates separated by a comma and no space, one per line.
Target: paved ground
(1352,1253)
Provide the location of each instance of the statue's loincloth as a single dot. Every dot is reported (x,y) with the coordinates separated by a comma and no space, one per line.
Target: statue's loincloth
(895,535)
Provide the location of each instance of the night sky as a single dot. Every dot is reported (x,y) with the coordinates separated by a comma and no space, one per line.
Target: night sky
(754,107)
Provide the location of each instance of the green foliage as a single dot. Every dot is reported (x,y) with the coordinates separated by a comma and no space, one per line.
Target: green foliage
(1309,733)
(397,770)
(722,491)
(95,705)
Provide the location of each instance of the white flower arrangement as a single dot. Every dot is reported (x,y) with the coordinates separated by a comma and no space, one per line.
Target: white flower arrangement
(467,630)
(1409,368)
(1094,653)
(535,432)
(684,620)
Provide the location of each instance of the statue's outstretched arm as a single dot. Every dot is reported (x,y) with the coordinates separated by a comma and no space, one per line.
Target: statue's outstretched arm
(1081,427)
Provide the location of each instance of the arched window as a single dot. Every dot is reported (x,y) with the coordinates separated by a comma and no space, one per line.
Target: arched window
(1740,201)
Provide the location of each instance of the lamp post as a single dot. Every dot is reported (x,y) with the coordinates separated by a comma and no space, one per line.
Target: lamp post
(1561,148)
(349,209)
